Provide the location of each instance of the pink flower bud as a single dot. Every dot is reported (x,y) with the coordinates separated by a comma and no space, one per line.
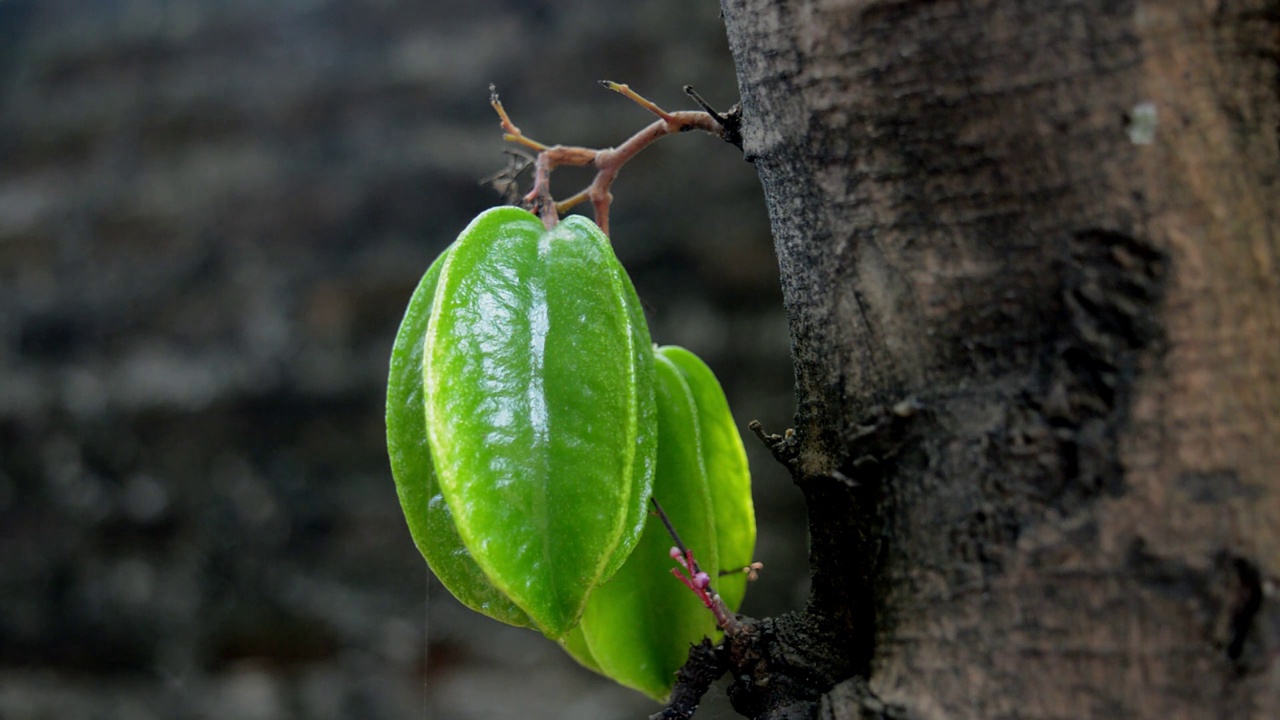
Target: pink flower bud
(678,557)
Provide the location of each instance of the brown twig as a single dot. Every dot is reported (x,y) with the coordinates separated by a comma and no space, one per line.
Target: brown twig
(607,161)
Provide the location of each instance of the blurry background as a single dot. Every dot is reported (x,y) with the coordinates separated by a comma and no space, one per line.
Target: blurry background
(211,217)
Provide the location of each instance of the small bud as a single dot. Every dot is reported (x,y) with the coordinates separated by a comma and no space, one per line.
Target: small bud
(702,579)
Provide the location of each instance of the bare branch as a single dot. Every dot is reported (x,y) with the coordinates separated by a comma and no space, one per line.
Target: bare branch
(608,161)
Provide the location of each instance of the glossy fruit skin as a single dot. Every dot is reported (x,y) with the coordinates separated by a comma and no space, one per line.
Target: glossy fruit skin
(638,627)
(539,408)
(527,417)
(428,515)
(728,475)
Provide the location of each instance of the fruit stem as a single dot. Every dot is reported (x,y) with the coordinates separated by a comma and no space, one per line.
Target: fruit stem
(608,161)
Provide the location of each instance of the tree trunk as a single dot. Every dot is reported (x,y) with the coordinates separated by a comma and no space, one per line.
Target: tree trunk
(1029,255)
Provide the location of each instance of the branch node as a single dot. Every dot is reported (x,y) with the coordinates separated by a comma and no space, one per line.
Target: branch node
(785,447)
(730,122)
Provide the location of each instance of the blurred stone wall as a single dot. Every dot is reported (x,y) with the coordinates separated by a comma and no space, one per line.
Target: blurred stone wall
(211,216)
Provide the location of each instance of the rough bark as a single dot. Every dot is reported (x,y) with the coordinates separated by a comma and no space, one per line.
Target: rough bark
(1029,259)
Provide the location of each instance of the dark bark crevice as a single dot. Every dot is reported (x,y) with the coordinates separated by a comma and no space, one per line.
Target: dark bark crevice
(780,668)
(1112,287)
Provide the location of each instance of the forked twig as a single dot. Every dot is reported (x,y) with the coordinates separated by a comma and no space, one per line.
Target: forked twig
(607,161)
